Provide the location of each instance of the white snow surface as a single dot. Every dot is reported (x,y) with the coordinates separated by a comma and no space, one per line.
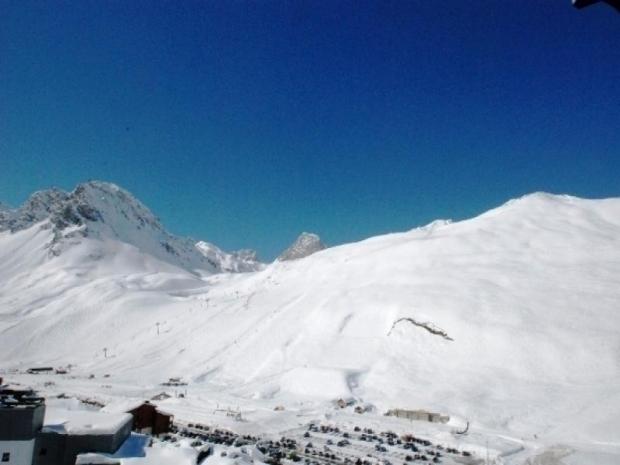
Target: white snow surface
(80,422)
(528,293)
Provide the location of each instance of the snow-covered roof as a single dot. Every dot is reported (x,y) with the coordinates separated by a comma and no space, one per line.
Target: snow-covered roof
(122,405)
(83,422)
(18,396)
(15,387)
(126,405)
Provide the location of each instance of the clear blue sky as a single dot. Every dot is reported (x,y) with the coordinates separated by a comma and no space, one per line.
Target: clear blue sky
(244,123)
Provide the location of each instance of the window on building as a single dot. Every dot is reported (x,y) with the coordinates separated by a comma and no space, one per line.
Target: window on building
(6,456)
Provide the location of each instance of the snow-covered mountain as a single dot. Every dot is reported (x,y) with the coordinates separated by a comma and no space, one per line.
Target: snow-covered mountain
(509,320)
(238,261)
(98,212)
(306,244)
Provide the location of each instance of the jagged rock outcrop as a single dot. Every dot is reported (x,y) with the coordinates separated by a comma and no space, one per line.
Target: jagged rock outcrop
(428,326)
(5,213)
(238,261)
(306,244)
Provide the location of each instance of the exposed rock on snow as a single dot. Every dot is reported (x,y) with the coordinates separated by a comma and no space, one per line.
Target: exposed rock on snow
(238,261)
(306,244)
(430,327)
(4,208)
(5,214)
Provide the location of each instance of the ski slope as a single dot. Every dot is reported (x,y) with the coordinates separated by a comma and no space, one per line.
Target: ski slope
(508,320)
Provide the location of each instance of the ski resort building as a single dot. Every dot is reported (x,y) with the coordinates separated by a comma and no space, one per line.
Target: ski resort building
(21,418)
(147,418)
(39,370)
(420,415)
(30,434)
(67,434)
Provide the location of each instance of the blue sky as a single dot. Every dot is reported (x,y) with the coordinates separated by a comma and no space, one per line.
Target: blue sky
(245,123)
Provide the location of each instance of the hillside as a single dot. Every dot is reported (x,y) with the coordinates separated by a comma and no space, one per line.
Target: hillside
(508,319)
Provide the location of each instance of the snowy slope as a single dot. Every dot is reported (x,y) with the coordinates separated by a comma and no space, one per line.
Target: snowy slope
(509,320)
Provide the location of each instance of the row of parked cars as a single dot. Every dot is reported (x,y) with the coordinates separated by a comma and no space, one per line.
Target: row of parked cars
(417,448)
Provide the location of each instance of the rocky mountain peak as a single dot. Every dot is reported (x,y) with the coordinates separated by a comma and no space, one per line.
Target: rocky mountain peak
(305,244)
(103,211)
(238,261)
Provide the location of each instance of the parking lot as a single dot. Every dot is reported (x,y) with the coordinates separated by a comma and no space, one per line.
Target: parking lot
(324,444)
